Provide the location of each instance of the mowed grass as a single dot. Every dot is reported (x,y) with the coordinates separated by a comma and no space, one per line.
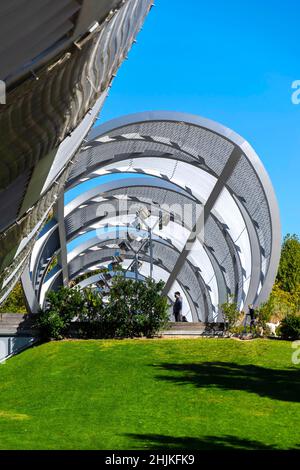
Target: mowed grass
(151,394)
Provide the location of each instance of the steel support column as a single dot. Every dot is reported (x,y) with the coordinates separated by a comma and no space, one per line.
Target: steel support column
(62,255)
(32,304)
(215,193)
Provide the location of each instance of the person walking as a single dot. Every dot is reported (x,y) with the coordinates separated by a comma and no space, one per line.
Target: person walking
(177,307)
(251,313)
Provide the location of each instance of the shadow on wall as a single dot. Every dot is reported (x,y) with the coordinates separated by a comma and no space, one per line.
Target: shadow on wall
(159,442)
(277,384)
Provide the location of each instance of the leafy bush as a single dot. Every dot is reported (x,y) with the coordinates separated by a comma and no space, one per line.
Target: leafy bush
(62,307)
(137,308)
(131,309)
(240,330)
(231,313)
(290,327)
(263,316)
(91,319)
(51,324)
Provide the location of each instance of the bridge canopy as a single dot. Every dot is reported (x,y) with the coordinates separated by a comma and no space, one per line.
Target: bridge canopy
(204,196)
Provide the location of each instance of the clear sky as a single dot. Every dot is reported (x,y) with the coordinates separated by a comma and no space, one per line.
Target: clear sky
(232,61)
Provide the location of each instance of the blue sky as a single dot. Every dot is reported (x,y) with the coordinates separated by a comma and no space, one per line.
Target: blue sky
(231,61)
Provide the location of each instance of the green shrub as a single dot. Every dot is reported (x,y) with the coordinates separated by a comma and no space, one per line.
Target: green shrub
(240,330)
(51,324)
(137,308)
(263,316)
(132,309)
(92,316)
(231,313)
(290,327)
(62,307)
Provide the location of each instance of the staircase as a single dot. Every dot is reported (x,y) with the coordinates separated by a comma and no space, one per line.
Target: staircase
(15,323)
(16,334)
(184,329)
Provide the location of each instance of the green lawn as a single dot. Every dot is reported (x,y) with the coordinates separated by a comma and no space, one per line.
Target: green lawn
(151,394)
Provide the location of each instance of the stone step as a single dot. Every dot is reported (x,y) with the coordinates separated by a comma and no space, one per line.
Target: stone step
(14,322)
(11,320)
(12,315)
(189,329)
(185,325)
(17,332)
(184,329)
(182,332)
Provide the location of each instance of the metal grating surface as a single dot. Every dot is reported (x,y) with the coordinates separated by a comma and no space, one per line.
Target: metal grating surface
(23,21)
(47,110)
(244,183)
(199,142)
(11,199)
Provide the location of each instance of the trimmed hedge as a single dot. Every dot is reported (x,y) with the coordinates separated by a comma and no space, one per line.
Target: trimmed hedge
(290,327)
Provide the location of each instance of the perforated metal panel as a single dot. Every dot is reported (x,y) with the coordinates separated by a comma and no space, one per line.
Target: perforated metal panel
(44,108)
(23,21)
(244,182)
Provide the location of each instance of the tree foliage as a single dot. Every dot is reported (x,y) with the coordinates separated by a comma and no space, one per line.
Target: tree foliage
(86,275)
(15,301)
(279,304)
(284,301)
(288,277)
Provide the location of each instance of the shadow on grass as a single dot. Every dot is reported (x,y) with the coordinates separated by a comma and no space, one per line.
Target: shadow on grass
(277,384)
(159,442)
